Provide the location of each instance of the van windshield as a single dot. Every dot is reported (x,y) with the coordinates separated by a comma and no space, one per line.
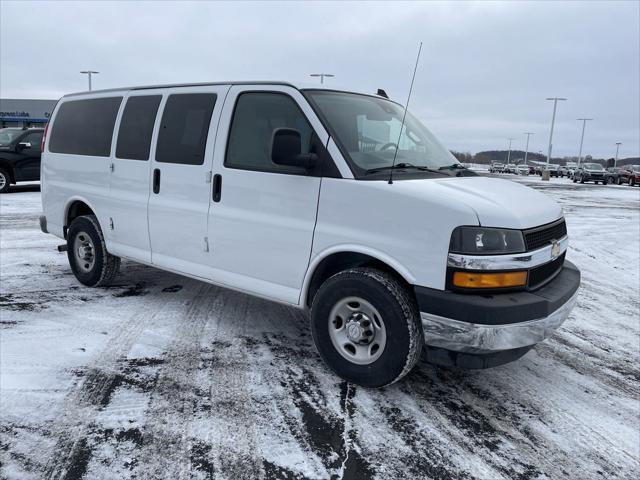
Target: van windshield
(368,129)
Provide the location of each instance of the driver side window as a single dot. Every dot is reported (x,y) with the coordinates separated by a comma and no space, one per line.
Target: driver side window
(257,115)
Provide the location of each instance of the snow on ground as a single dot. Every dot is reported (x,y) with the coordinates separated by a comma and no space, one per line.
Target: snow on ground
(161,376)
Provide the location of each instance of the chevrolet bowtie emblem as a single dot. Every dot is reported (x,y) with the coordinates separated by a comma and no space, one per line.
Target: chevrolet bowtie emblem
(555,249)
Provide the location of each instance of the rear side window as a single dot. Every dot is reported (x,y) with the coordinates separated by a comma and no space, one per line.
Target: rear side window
(184,128)
(255,118)
(136,127)
(85,127)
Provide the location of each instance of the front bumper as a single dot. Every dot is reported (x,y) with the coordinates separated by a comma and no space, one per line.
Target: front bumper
(490,323)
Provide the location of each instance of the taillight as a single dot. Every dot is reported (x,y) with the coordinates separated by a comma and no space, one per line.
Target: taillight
(44,136)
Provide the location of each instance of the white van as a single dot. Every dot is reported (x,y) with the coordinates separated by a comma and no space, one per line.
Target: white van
(285,193)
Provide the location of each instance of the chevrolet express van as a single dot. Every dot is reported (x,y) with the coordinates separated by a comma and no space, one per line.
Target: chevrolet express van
(285,193)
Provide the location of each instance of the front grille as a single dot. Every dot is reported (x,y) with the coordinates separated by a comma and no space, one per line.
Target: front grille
(544,235)
(538,276)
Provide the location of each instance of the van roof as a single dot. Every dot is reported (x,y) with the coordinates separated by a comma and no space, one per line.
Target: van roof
(243,82)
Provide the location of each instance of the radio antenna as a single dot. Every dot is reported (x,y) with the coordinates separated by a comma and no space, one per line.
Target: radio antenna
(395,154)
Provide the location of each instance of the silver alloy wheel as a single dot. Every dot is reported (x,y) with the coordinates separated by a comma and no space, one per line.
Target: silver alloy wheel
(357,330)
(3,180)
(84,251)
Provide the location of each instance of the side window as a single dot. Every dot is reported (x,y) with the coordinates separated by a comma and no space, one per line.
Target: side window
(184,128)
(256,116)
(136,127)
(85,127)
(35,139)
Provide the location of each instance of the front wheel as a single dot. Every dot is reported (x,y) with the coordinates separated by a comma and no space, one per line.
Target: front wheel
(90,262)
(5,181)
(366,327)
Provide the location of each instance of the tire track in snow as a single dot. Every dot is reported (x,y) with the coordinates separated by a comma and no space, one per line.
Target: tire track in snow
(166,443)
(71,454)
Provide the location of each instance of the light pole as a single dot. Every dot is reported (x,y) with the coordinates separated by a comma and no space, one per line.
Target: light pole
(322,75)
(526,150)
(509,154)
(584,122)
(553,121)
(615,162)
(89,73)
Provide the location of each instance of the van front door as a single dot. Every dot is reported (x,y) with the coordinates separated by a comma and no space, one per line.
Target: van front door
(181,178)
(263,215)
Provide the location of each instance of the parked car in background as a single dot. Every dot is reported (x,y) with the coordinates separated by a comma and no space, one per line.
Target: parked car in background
(553,169)
(612,174)
(496,167)
(629,174)
(567,169)
(590,172)
(160,175)
(19,156)
(522,170)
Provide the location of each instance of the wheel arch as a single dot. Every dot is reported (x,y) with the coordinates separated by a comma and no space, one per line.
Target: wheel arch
(336,259)
(76,207)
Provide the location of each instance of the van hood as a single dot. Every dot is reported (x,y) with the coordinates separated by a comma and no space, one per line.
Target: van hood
(496,202)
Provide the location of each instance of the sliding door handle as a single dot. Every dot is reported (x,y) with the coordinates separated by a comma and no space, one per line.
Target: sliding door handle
(217,187)
(156,180)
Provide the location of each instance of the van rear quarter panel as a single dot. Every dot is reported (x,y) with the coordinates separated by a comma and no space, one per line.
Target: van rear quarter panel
(408,228)
(66,178)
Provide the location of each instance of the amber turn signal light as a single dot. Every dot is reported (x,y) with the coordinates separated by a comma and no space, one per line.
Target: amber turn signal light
(489,280)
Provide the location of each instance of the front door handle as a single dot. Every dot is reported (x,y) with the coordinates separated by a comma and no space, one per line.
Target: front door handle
(156,180)
(217,187)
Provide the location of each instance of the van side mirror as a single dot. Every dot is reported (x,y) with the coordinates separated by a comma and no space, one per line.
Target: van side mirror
(286,149)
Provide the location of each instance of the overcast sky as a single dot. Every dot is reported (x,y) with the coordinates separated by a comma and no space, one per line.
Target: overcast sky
(485,70)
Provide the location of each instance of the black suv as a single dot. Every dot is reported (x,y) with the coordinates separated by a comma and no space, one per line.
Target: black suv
(19,155)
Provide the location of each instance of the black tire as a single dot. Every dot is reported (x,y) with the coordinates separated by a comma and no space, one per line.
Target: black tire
(104,266)
(575,179)
(581,180)
(400,319)
(5,181)
(619,182)
(632,182)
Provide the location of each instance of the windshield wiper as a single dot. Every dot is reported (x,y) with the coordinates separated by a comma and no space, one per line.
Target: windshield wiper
(453,166)
(402,166)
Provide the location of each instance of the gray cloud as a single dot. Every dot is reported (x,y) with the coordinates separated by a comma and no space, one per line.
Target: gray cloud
(485,69)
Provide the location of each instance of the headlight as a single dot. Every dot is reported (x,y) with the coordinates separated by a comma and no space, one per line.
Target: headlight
(486,241)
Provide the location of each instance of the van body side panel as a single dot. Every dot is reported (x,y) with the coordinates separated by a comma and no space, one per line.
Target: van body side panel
(407,228)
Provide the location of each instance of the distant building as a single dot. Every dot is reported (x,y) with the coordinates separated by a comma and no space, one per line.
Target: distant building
(25,112)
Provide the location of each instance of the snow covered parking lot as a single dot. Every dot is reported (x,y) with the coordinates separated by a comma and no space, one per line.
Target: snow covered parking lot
(161,376)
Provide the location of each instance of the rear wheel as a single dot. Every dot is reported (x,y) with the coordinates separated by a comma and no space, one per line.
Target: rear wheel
(5,181)
(90,262)
(366,327)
